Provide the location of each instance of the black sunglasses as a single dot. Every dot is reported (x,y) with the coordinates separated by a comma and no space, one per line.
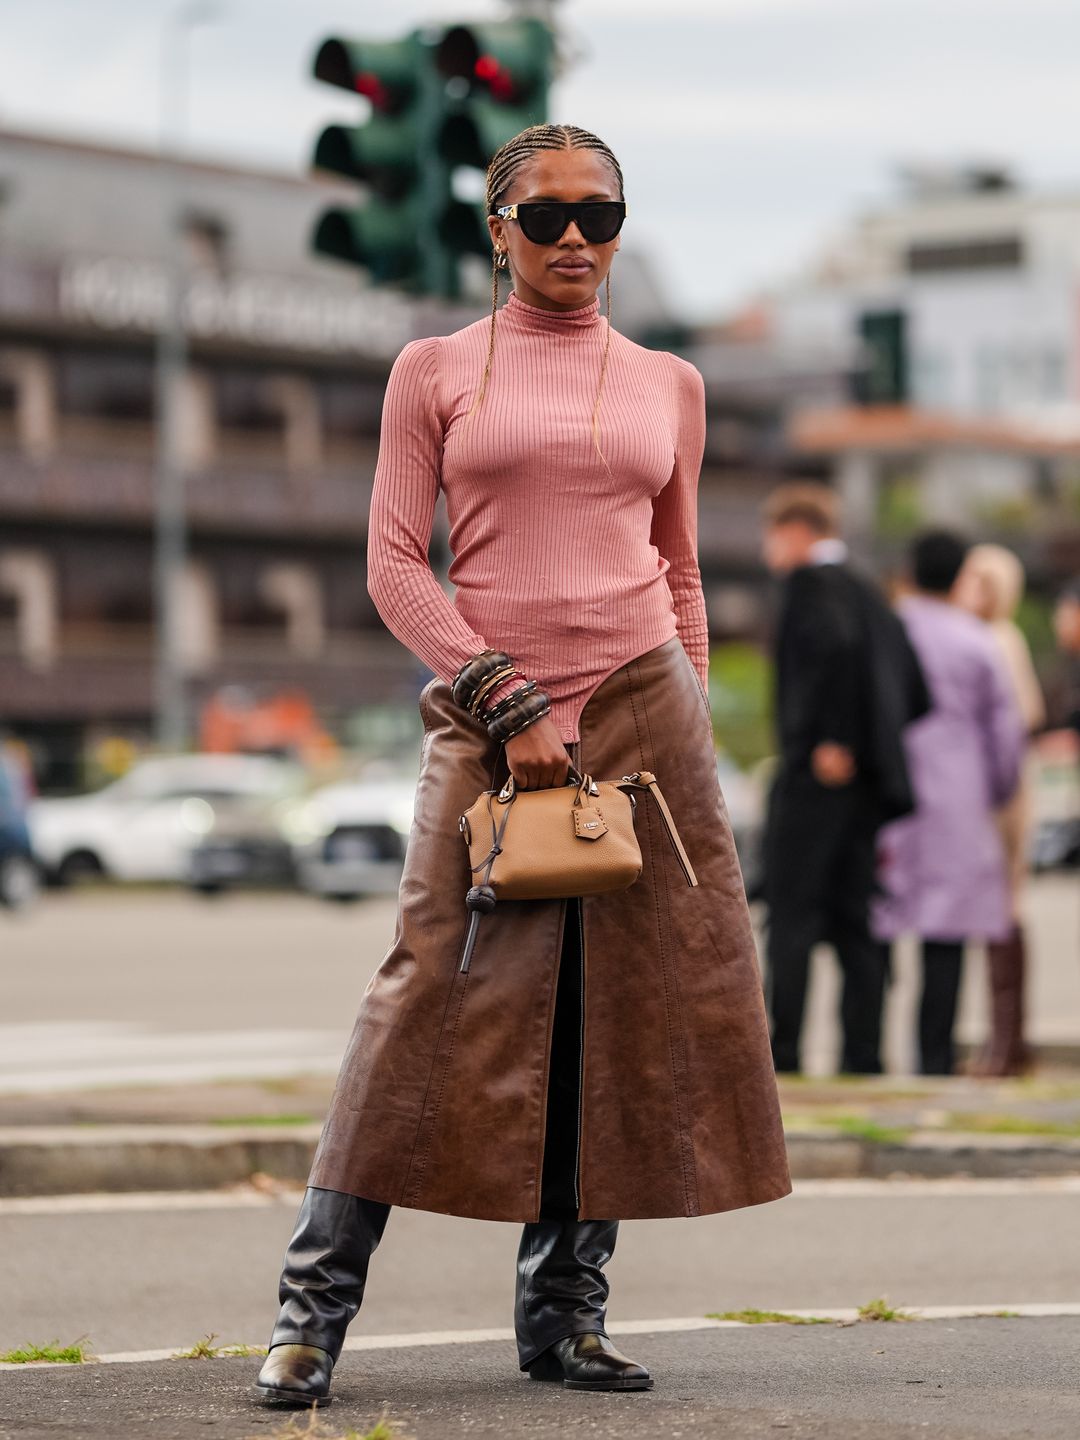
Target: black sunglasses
(545,221)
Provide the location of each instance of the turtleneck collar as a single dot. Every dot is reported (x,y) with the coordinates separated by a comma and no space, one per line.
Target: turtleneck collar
(559,322)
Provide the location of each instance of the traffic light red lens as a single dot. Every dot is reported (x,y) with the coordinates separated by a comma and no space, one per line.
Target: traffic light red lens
(371,87)
(496,77)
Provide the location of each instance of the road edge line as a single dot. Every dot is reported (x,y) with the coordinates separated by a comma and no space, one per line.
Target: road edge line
(421,1339)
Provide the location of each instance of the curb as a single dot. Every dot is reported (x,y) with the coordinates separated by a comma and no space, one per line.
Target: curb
(831,1155)
(77,1160)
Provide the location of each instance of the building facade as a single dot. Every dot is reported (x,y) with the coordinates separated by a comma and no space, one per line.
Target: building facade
(956,313)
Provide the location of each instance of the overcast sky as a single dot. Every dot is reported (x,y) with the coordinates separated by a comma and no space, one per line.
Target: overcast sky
(749,130)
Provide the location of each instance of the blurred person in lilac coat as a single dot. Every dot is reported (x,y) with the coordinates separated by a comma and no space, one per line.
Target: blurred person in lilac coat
(942,871)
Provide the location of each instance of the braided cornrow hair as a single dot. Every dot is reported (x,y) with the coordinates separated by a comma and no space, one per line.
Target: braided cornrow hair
(501,172)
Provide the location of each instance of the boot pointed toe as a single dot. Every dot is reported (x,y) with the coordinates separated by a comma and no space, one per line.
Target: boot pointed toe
(294,1377)
(590,1362)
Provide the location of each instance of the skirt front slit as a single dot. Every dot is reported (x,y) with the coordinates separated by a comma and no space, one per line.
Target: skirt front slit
(559,1191)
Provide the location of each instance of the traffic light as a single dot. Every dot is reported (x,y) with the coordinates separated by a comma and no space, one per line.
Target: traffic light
(497,79)
(442,100)
(382,234)
(882,376)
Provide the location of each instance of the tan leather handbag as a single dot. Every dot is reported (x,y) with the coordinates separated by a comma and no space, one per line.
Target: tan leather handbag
(572,839)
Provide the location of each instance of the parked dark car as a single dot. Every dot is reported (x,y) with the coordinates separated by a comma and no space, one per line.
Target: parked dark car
(243,847)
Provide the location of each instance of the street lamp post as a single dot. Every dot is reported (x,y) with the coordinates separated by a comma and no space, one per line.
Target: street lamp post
(170,530)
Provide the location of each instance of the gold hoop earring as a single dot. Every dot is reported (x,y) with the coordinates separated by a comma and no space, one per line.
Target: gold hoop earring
(501,260)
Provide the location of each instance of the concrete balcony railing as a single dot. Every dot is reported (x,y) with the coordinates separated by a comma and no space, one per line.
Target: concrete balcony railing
(107,672)
(226,497)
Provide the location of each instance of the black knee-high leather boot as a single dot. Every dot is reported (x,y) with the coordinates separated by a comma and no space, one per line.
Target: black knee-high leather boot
(322,1285)
(559,1311)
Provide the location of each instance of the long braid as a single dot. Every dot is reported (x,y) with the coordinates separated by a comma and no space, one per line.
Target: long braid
(491,339)
(603,373)
(504,166)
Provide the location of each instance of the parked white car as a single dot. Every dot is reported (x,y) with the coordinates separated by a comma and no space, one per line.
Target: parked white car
(348,840)
(145,825)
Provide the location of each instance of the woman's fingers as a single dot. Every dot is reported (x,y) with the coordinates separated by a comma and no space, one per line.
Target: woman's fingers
(537,757)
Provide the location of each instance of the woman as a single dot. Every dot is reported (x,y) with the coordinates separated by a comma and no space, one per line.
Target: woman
(941,870)
(991,586)
(600,1058)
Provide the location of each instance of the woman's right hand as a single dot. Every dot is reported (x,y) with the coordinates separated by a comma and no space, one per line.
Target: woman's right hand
(537,757)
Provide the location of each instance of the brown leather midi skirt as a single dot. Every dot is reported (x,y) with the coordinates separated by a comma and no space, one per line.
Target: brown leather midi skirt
(441,1103)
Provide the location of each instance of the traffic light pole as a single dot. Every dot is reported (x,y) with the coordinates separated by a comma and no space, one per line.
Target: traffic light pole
(170,524)
(438,266)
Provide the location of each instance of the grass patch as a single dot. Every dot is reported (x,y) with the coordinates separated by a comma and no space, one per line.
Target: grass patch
(54,1354)
(857,1126)
(263,1119)
(862,1129)
(1038,1087)
(312,1428)
(881,1310)
(285,1084)
(1011,1125)
(205,1349)
(768,1317)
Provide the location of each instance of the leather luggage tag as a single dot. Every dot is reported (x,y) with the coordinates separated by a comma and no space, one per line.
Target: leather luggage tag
(588,822)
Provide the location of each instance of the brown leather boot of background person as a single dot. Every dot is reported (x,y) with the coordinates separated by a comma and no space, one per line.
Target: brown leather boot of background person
(1006,1051)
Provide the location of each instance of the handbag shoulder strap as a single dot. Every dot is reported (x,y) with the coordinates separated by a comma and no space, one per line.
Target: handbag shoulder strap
(646,780)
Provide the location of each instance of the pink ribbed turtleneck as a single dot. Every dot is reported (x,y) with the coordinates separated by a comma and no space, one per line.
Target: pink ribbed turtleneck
(570,565)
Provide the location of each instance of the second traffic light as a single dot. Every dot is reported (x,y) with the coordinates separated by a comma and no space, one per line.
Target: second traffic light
(441,100)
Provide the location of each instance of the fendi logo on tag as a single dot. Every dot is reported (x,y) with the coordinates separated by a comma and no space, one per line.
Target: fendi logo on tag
(588,822)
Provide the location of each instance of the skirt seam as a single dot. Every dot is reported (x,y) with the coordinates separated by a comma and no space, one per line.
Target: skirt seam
(658,879)
(418,1167)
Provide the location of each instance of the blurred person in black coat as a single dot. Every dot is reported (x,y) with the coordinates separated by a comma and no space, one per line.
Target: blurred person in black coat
(847,683)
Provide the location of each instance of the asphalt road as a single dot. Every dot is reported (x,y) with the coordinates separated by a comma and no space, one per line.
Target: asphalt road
(161,1277)
(161,987)
(958,1380)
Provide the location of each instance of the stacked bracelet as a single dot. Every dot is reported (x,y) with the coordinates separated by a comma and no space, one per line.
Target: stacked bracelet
(508,702)
(520,716)
(482,676)
(475,672)
(478,703)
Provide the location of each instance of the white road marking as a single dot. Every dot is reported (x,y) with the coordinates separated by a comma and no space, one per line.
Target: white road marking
(626,1327)
(40,1057)
(248,1197)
